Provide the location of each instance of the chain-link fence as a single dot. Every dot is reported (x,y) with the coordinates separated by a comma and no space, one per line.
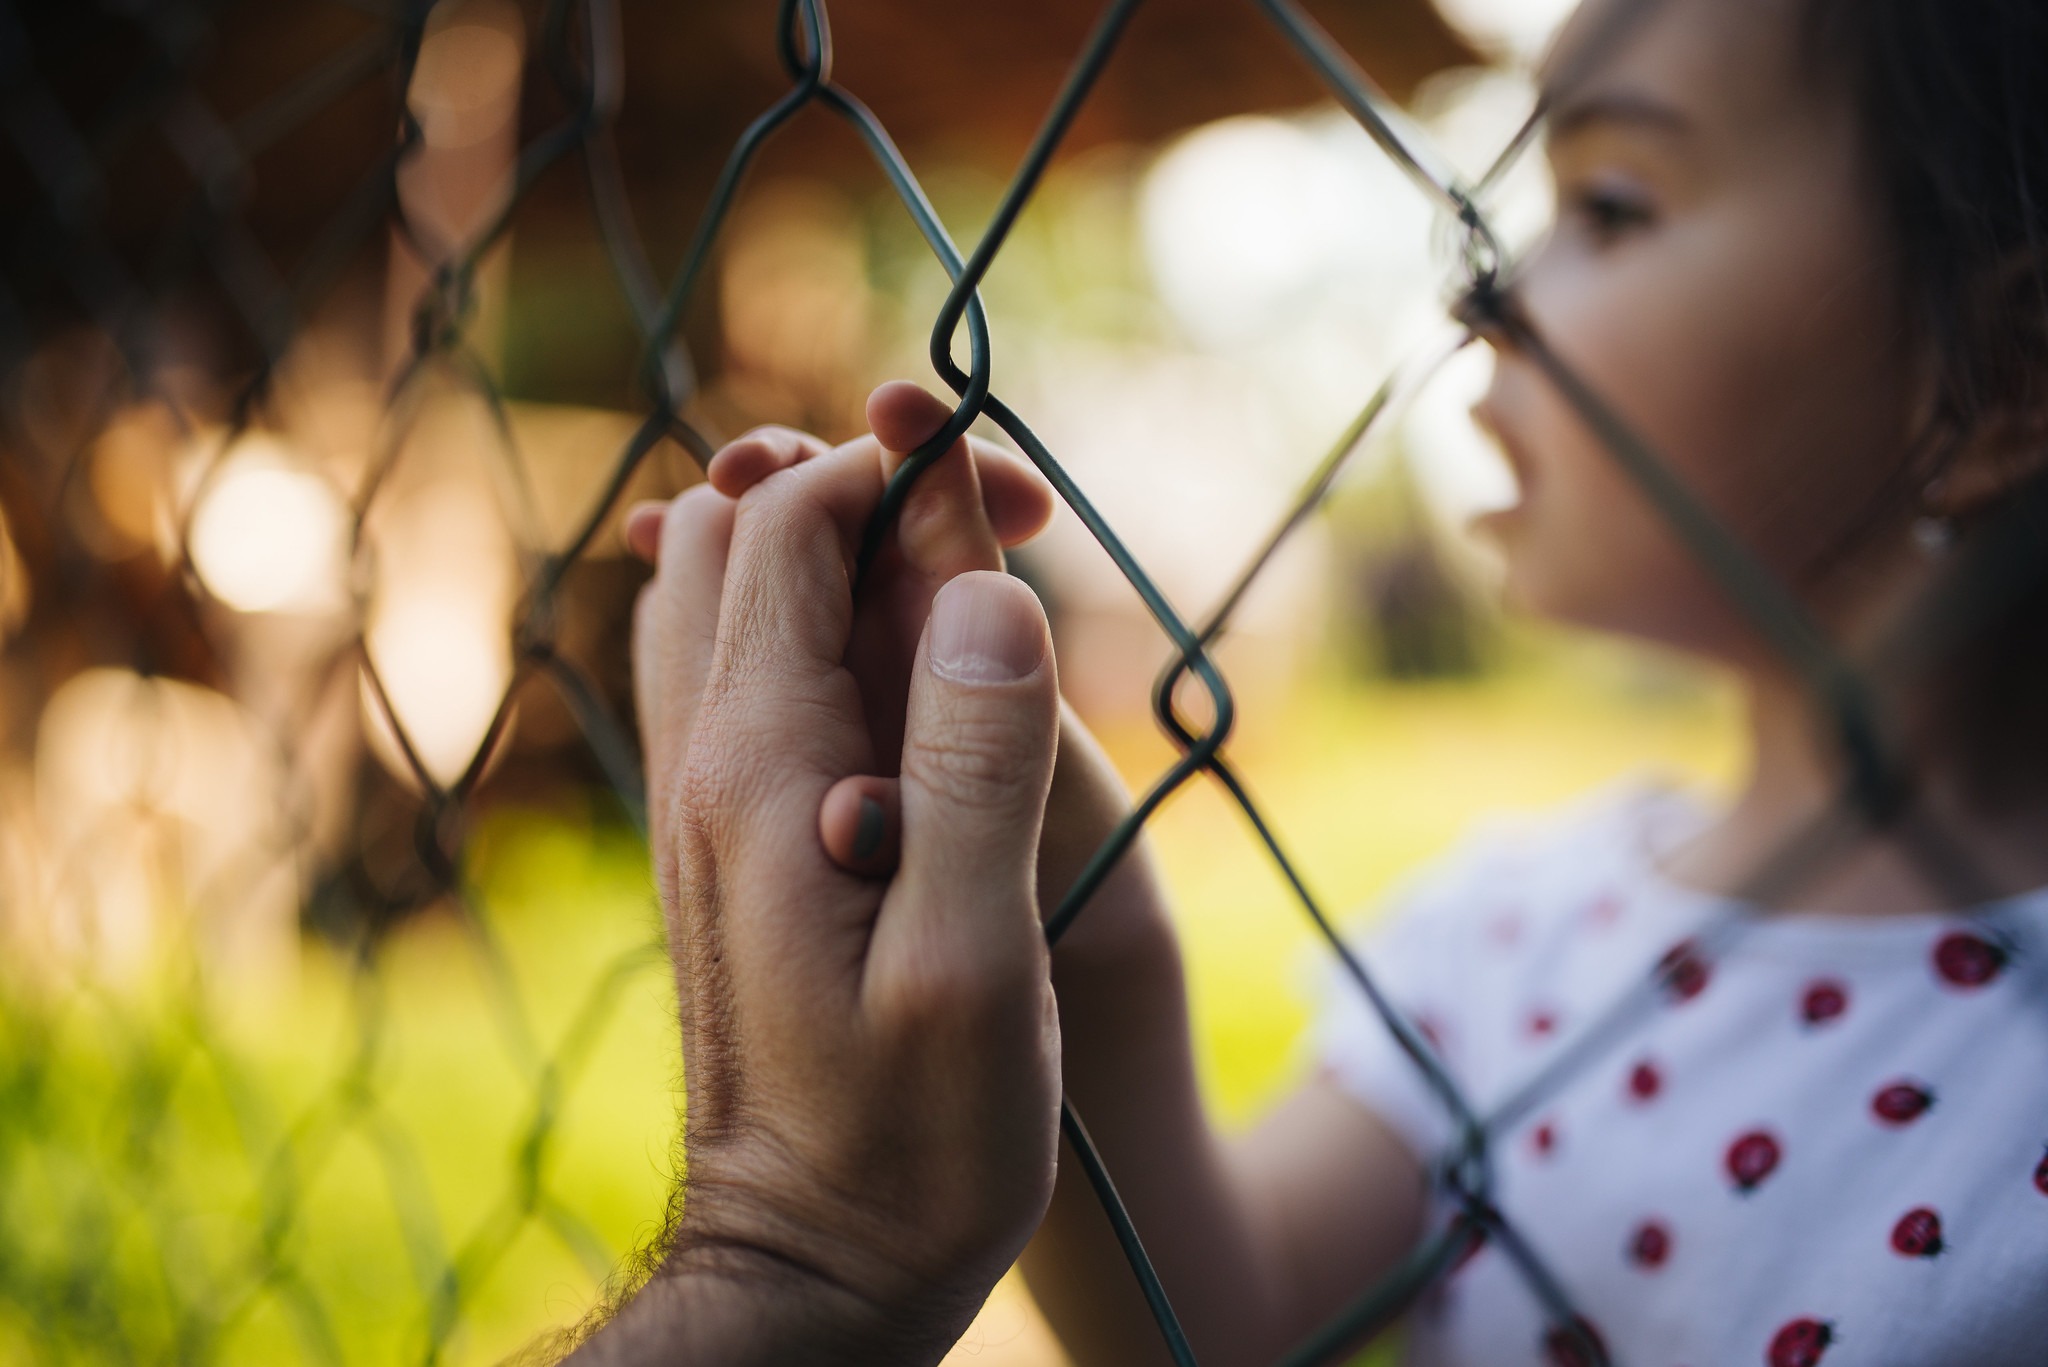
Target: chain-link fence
(102,1260)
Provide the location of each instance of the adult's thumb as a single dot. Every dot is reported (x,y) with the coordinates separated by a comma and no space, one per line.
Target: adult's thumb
(979,735)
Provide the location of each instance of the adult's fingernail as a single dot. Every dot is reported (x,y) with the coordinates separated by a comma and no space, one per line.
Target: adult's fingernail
(983,631)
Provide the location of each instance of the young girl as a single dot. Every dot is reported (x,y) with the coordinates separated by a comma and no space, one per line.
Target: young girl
(1800,254)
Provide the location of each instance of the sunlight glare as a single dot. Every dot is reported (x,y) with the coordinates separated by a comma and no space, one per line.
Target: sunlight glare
(269,537)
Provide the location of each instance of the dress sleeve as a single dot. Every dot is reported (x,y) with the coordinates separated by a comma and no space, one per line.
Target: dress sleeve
(1419,955)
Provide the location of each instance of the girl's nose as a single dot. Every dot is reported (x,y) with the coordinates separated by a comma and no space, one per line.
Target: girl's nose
(1485,309)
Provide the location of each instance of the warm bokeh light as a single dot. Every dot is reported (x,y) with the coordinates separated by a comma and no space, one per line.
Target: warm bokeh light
(466,80)
(269,536)
(1517,29)
(1257,223)
(444,664)
(14,585)
(128,476)
(795,298)
(158,802)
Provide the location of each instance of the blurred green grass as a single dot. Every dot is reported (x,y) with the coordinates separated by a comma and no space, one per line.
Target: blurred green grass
(241,1173)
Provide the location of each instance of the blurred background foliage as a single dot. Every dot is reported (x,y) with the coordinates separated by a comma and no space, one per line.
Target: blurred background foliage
(298,1062)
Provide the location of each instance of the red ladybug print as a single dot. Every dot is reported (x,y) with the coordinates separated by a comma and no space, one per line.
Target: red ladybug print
(1644,1081)
(1650,1245)
(2041,1175)
(1684,971)
(1901,1103)
(1918,1234)
(1542,1024)
(1966,960)
(1431,1030)
(1825,999)
(1575,1345)
(1801,1343)
(1544,1139)
(1752,1158)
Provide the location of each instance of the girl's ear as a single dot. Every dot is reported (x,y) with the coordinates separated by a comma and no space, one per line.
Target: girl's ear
(2007,450)
(2006,444)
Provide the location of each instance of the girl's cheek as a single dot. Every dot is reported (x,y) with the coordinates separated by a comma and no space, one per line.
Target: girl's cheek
(1586,545)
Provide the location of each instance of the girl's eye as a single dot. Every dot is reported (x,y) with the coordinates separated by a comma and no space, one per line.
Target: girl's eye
(1609,213)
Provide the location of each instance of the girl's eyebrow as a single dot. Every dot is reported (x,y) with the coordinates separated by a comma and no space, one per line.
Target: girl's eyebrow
(1624,107)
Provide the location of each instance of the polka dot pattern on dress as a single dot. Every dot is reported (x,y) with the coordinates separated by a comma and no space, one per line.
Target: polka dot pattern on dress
(1684,971)
(1902,1102)
(1650,1246)
(1752,1158)
(1966,960)
(1821,1139)
(1800,1343)
(1825,1000)
(1918,1233)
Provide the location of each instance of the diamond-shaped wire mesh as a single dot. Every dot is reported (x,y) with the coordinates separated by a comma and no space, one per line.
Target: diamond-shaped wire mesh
(118,1280)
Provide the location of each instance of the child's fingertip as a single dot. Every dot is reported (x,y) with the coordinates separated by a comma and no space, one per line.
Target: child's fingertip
(903,416)
(738,467)
(1018,501)
(642,530)
(860,824)
(745,461)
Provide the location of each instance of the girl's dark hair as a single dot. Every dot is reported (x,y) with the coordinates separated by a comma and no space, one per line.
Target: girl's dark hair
(1952,96)
(1953,99)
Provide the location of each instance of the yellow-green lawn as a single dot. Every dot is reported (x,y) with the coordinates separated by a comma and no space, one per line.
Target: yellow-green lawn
(259,1181)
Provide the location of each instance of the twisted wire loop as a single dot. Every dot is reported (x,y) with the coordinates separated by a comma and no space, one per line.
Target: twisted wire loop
(578,54)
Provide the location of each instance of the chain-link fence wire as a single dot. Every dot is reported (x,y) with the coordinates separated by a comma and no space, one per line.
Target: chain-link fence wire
(578,53)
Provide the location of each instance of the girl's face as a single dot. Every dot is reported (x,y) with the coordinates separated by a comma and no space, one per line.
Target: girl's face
(1720,276)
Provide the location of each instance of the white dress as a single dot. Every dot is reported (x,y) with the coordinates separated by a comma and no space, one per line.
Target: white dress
(1823,1141)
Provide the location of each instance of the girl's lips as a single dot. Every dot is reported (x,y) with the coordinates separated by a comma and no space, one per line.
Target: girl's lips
(1517,459)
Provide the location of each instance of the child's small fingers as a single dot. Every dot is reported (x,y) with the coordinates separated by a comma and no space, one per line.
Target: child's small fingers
(1016,497)
(642,530)
(1017,500)
(860,822)
(943,530)
(904,417)
(746,461)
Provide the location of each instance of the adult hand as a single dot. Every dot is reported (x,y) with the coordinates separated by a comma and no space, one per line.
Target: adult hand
(975,501)
(871,1065)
